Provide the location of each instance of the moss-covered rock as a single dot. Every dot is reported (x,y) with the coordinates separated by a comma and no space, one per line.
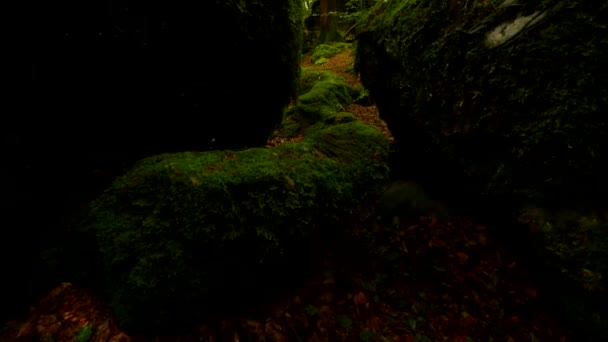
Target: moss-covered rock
(311,76)
(180,229)
(488,103)
(324,95)
(472,98)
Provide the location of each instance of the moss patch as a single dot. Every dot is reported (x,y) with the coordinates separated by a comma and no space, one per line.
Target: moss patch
(326,51)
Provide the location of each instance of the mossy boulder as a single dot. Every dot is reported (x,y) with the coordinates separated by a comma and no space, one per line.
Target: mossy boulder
(179,230)
(323,95)
(471,95)
(486,102)
(310,76)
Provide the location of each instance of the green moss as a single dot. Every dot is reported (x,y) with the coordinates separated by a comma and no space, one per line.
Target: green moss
(84,335)
(326,51)
(327,95)
(321,61)
(290,128)
(311,76)
(363,98)
(324,95)
(344,117)
(169,229)
(325,98)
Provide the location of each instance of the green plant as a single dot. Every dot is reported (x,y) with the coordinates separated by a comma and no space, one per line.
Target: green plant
(367,335)
(344,322)
(84,335)
(311,310)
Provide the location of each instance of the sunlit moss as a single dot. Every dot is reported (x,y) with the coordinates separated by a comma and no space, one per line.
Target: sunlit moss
(327,51)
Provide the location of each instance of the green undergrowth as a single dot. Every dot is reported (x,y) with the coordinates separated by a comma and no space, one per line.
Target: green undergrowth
(571,249)
(407,200)
(181,229)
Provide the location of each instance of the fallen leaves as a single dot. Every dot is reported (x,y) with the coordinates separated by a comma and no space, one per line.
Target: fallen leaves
(64,312)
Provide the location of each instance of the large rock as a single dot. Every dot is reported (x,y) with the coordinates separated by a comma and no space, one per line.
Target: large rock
(179,230)
(481,91)
(181,233)
(503,103)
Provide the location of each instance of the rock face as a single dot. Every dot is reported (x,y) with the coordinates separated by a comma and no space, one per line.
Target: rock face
(92,86)
(502,102)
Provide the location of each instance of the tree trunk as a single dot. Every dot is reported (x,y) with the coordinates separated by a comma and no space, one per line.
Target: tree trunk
(329,28)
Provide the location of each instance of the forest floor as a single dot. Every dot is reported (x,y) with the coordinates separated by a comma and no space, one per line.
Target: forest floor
(415,280)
